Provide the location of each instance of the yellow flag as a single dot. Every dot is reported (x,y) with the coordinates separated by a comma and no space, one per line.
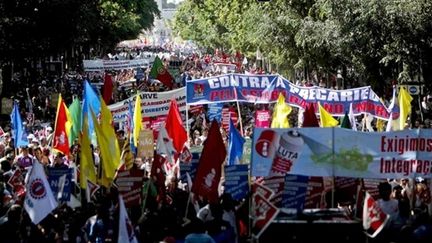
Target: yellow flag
(137,120)
(280,113)
(380,125)
(108,144)
(326,118)
(87,168)
(404,100)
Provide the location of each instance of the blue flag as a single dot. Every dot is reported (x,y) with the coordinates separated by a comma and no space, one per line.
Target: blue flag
(91,102)
(18,133)
(236,142)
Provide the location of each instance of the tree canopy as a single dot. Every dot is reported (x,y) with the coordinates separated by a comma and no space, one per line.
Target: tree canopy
(37,29)
(376,41)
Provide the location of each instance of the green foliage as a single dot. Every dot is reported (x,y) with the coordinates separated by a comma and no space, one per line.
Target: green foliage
(36,29)
(371,40)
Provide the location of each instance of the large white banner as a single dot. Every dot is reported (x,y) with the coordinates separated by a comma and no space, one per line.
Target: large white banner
(152,104)
(101,65)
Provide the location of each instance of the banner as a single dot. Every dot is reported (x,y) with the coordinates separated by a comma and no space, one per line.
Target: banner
(215,111)
(263,213)
(56,183)
(146,144)
(247,151)
(236,181)
(342,152)
(227,113)
(152,104)
(294,194)
(262,118)
(101,65)
(266,88)
(129,183)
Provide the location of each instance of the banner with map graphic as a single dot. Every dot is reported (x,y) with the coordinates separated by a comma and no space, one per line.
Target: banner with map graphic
(342,152)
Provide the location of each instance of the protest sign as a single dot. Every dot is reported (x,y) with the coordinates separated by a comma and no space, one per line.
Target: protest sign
(266,88)
(336,152)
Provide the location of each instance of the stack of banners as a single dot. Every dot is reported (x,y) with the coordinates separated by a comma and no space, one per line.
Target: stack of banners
(266,88)
(214,111)
(294,194)
(101,65)
(129,183)
(196,109)
(236,181)
(262,211)
(315,195)
(228,113)
(276,184)
(153,104)
(60,181)
(346,190)
(262,118)
(16,182)
(337,152)
(146,144)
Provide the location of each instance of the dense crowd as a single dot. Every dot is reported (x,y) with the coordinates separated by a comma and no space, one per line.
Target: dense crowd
(166,215)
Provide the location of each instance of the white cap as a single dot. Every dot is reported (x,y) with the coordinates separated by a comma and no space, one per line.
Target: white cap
(49,129)
(31,136)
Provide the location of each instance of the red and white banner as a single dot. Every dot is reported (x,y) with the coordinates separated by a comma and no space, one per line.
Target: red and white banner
(263,213)
(262,118)
(374,219)
(129,184)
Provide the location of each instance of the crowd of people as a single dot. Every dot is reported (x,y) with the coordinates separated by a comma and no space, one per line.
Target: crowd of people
(169,216)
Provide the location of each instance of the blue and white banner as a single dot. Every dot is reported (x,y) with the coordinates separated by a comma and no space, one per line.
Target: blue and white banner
(215,111)
(59,184)
(236,181)
(266,88)
(342,152)
(294,194)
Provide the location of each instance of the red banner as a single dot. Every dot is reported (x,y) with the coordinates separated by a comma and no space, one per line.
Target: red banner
(262,118)
(129,184)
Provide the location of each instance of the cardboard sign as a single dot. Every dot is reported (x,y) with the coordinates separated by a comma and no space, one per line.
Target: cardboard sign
(146,144)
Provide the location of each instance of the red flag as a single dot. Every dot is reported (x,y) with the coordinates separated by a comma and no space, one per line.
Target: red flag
(374,219)
(60,141)
(209,167)
(310,119)
(107,89)
(157,172)
(174,127)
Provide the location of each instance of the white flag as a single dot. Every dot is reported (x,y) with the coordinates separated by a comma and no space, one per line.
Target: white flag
(164,145)
(352,118)
(126,230)
(39,200)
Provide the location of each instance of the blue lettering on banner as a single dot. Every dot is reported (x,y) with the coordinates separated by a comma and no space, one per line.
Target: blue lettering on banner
(54,175)
(294,193)
(266,89)
(236,181)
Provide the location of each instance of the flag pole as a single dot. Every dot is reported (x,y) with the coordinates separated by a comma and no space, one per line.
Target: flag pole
(240,117)
(187,124)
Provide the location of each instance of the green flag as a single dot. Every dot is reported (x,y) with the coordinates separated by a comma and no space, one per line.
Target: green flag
(346,122)
(75,113)
(159,72)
